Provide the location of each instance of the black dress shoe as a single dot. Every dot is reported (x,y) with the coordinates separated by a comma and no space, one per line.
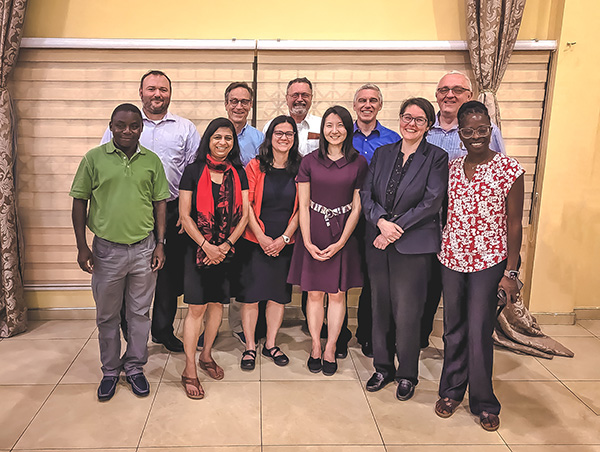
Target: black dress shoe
(405,389)
(171,343)
(139,384)
(377,381)
(367,349)
(107,388)
(314,364)
(341,351)
(329,368)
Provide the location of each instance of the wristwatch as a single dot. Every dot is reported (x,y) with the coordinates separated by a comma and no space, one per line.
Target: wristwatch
(164,241)
(285,238)
(512,274)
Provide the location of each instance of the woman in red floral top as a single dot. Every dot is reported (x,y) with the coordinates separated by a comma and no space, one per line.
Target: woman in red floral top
(480,252)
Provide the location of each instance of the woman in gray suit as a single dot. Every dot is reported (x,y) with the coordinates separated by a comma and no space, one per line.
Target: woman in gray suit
(402,196)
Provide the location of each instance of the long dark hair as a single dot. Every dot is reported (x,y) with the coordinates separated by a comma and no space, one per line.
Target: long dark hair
(265,151)
(347,148)
(204,149)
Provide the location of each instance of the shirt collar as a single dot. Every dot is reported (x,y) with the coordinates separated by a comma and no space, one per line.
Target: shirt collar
(243,130)
(168,117)
(378,128)
(436,125)
(110,148)
(327,162)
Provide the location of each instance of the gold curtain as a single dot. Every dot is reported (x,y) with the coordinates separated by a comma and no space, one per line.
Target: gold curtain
(492,28)
(13,318)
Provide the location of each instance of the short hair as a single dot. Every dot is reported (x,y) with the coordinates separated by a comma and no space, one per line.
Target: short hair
(127,107)
(347,148)
(369,86)
(265,151)
(473,106)
(204,149)
(424,105)
(299,80)
(235,85)
(470,86)
(154,72)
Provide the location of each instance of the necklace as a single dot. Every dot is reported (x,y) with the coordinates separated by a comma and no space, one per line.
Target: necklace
(473,166)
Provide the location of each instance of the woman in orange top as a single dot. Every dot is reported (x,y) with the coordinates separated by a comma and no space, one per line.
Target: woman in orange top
(272,223)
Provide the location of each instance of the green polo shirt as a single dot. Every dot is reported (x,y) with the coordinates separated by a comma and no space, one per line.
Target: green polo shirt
(121,191)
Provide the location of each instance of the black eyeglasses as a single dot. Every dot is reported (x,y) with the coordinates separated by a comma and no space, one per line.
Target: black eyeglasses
(457,90)
(407,118)
(244,102)
(278,134)
(468,132)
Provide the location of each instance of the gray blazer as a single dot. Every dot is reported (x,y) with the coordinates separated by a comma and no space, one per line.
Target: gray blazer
(418,199)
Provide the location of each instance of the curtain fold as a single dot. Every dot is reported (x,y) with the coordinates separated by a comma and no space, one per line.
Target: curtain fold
(13,310)
(492,28)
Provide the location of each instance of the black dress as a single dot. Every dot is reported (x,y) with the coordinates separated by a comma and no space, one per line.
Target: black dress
(214,283)
(264,277)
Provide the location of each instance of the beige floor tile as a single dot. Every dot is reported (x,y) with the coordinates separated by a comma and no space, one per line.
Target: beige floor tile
(511,366)
(431,362)
(86,368)
(201,449)
(19,405)
(316,413)
(228,415)
(227,353)
(297,349)
(133,449)
(588,392)
(544,412)
(415,422)
(328,448)
(72,417)
(564,330)
(58,329)
(591,325)
(452,448)
(549,448)
(37,362)
(584,366)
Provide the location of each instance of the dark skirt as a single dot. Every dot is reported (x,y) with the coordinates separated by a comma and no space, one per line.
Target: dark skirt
(264,277)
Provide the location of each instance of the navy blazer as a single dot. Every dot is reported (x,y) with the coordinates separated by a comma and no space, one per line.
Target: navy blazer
(418,199)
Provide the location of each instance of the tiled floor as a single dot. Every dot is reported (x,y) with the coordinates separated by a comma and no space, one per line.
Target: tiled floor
(49,376)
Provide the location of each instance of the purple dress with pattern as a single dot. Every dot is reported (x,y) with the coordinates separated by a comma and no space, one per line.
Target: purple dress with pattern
(332,185)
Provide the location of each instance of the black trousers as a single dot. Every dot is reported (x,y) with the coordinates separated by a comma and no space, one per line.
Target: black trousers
(364,315)
(434,293)
(470,301)
(169,284)
(398,290)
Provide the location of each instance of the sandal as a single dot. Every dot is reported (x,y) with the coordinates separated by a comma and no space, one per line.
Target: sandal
(212,369)
(196,384)
(489,421)
(248,360)
(446,407)
(280,360)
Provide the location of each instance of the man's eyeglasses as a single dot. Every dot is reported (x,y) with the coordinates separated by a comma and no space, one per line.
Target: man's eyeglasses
(300,95)
(406,119)
(468,132)
(244,102)
(457,90)
(280,135)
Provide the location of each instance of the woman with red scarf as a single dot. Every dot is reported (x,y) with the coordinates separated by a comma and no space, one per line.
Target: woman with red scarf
(213,210)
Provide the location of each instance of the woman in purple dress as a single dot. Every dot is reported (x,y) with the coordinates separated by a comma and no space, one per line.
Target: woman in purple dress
(325,258)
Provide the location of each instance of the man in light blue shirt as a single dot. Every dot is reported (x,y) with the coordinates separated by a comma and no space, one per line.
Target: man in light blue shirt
(238,103)
(175,140)
(453,90)
(369,134)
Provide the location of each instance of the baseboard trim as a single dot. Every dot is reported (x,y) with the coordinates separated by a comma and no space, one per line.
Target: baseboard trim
(592,313)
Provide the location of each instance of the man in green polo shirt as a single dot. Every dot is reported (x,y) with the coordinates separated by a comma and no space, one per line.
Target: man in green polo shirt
(126,187)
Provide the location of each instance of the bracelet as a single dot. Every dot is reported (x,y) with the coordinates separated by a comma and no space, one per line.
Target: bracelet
(203,244)
(229,242)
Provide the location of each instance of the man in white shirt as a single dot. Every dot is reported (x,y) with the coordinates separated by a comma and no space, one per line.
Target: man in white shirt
(299,98)
(175,140)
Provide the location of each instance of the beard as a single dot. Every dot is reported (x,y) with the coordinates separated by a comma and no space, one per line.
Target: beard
(299,109)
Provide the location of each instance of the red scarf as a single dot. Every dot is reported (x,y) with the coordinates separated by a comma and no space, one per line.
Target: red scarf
(228,209)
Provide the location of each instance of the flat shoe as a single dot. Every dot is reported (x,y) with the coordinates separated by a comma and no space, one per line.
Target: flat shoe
(212,369)
(280,360)
(196,384)
(405,389)
(248,361)
(488,421)
(329,368)
(314,364)
(445,407)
